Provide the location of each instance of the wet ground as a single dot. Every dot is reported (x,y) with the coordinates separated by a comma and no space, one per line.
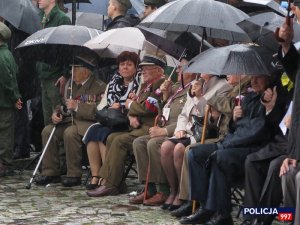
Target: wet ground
(55,204)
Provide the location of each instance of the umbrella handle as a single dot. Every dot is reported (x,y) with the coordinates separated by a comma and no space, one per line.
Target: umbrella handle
(287,21)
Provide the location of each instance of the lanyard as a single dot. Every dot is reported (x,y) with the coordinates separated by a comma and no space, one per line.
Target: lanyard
(173,96)
(146,89)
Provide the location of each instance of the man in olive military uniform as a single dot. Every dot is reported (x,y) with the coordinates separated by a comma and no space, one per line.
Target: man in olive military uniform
(142,113)
(151,6)
(86,94)
(147,148)
(51,76)
(9,100)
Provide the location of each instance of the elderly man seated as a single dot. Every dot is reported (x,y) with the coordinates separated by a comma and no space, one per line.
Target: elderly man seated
(218,165)
(142,112)
(70,127)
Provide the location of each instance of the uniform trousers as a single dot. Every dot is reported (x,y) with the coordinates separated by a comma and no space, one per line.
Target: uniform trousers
(72,145)
(147,150)
(119,146)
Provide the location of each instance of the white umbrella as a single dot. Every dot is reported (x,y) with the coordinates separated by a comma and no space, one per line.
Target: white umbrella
(112,42)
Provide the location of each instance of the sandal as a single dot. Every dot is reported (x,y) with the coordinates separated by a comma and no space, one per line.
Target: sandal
(91,186)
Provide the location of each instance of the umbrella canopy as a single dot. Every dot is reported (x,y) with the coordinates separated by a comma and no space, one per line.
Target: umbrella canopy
(57,45)
(90,20)
(261,27)
(217,19)
(111,43)
(74,8)
(233,59)
(22,14)
(271,4)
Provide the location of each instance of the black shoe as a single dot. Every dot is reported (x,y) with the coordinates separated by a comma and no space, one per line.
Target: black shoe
(165,206)
(184,210)
(22,154)
(200,216)
(71,181)
(44,180)
(173,207)
(220,220)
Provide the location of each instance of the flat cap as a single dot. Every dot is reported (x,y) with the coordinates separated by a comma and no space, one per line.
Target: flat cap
(5,32)
(151,60)
(125,3)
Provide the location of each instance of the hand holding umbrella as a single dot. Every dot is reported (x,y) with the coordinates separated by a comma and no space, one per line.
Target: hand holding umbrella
(287,22)
(286,33)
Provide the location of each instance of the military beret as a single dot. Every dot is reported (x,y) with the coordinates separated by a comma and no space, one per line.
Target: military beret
(125,3)
(5,32)
(151,60)
(157,3)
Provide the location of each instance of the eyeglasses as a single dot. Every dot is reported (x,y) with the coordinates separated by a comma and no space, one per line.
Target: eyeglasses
(149,67)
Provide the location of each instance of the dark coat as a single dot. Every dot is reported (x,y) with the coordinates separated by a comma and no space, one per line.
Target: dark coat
(291,65)
(122,21)
(246,136)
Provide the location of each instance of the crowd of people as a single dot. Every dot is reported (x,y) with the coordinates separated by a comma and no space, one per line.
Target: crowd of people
(193,138)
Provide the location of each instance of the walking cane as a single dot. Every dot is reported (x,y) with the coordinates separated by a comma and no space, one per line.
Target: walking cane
(207,109)
(28,186)
(157,118)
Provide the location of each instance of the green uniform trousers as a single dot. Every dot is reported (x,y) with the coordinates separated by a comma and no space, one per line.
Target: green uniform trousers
(6,136)
(119,146)
(147,150)
(50,99)
(72,145)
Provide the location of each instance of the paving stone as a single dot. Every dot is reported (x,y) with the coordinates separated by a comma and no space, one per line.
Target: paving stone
(57,205)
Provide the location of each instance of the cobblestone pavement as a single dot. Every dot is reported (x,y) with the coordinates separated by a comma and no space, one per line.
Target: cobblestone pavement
(56,204)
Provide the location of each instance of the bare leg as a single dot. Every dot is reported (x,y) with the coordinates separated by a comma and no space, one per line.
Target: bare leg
(102,148)
(178,161)
(94,156)
(166,152)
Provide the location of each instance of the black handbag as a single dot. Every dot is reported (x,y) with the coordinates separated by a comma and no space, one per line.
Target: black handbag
(111,117)
(197,127)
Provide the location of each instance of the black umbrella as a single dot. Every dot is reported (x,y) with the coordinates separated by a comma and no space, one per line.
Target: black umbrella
(22,14)
(90,20)
(236,59)
(216,19)
(261,27)
(57,45)
(268,3)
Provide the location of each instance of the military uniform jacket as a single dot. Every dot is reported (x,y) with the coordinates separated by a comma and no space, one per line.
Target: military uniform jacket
(176,106)
(54,19)
(87,96)
(9,92)
(140,109)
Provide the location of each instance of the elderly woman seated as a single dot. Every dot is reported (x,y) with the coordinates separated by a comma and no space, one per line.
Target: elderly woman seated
(123,84)
(172,150)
